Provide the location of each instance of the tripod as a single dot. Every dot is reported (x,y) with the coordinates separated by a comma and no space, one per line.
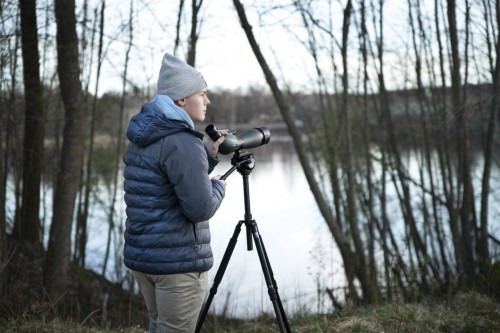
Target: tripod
(244,163)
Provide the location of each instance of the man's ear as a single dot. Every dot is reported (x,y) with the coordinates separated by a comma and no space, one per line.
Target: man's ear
(181,102)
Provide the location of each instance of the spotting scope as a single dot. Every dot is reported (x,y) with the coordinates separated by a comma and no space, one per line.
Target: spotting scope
(251,138)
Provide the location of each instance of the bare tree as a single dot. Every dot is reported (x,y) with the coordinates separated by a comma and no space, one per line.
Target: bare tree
(351,259)
(193,37)
(9,25)
(494,110)
(178,27)
(119,144)
(56,265)
(11,113)
(80,238)
(417,186)
(27,228)
(467,215)
(88,180)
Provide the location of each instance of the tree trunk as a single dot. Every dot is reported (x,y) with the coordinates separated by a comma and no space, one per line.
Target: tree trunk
(82,221)
(80,239)
(193,38)
(494,109)
(58,254)
(467,219)
(28,228)
(14,154)
(178,27)
(8,135)
(119,144)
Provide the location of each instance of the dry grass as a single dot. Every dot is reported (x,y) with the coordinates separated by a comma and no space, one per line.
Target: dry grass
(464,313)
(55,326)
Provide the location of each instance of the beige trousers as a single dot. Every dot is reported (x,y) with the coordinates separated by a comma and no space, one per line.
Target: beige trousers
(174,301)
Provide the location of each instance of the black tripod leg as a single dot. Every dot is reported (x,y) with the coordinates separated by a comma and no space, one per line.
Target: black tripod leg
(275,285)
(271,283)
(219,275)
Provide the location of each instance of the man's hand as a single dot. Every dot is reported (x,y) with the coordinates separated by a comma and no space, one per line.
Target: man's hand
(213,146)
(220,180)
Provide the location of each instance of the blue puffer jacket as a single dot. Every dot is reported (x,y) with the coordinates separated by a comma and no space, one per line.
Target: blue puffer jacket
(168,192)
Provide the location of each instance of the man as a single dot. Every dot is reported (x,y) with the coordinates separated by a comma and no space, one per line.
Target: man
(170,197)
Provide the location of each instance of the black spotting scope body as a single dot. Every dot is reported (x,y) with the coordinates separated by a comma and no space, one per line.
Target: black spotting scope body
(251,138)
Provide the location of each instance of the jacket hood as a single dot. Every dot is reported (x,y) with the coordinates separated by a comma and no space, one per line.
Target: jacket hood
(158,118)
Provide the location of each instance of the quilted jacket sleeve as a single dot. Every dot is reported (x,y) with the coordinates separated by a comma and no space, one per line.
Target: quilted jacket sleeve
(184,161)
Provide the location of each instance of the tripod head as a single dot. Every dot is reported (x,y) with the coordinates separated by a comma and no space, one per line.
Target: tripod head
(241,161)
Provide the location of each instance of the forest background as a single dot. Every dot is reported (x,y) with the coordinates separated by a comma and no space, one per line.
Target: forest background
(358,86)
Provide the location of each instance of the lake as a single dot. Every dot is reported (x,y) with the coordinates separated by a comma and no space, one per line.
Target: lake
(299,245)
(297,241)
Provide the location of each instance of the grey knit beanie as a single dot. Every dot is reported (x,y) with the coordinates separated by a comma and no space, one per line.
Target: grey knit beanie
(177,79)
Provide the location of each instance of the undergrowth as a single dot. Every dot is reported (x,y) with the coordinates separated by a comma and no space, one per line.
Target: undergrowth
(462,313)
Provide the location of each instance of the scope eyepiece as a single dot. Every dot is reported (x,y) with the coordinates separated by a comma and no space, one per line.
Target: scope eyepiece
(212,132)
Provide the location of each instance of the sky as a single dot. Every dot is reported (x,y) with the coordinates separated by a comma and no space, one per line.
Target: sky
(223,53)
(223,56)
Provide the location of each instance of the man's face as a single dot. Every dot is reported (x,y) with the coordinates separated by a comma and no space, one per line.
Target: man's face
(196,105)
